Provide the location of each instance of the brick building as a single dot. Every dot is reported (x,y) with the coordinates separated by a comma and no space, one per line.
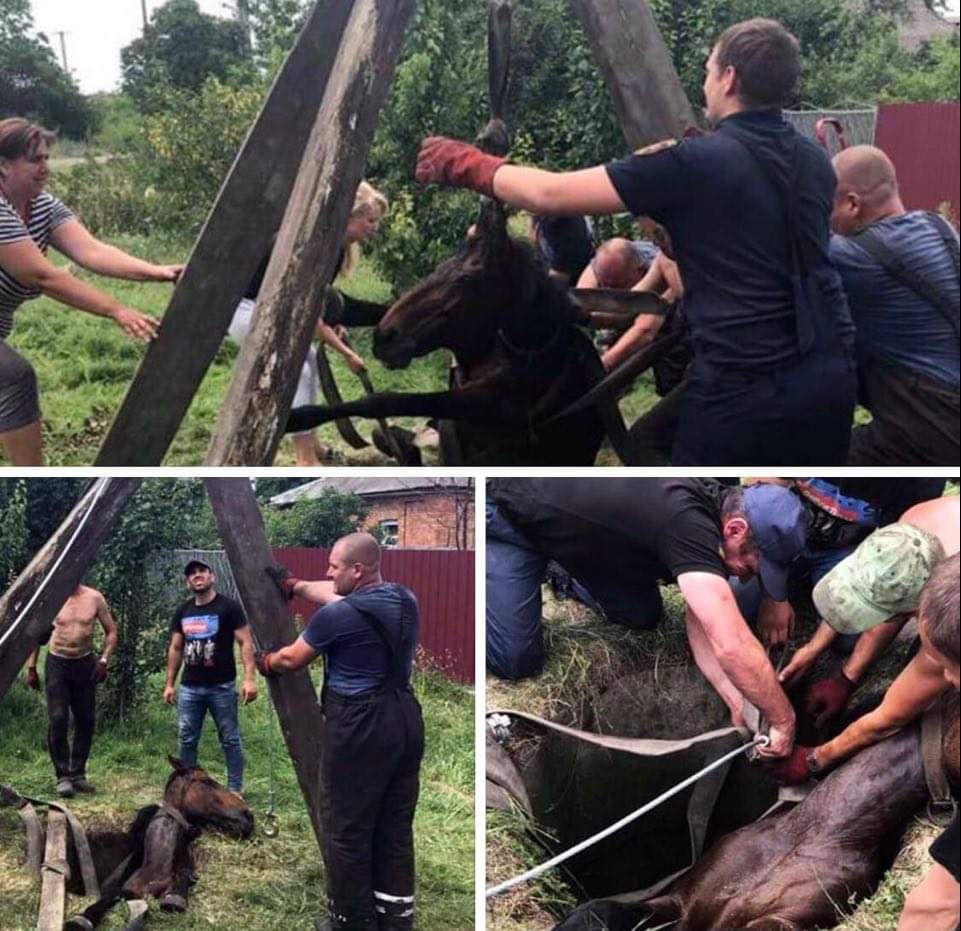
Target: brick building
(407,512)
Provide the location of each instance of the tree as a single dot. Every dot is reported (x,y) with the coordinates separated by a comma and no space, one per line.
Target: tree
(315,522)
(32,83)
(181,48)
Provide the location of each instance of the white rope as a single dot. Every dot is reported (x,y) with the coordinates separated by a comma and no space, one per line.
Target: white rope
(102,483)
(760,740)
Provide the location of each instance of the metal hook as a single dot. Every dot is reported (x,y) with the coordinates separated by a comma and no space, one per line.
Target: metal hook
(271,826)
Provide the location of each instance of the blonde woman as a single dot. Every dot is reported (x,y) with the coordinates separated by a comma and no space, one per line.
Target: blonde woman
(365,216)
(31,220)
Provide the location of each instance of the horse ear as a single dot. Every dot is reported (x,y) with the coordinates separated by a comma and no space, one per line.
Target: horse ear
(177,764)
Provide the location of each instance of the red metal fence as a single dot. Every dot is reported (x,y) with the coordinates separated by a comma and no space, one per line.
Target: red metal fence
(922,141)
(442,580)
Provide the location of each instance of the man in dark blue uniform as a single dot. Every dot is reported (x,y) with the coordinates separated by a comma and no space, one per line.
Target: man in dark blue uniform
(747,210)
(373,740)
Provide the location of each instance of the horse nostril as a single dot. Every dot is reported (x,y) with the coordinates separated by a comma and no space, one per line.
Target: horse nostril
(385,337)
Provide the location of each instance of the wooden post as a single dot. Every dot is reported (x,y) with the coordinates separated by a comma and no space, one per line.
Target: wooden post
(53,889)
(648,97)
(95,513)
(242,531)
(251,422)
(231,246)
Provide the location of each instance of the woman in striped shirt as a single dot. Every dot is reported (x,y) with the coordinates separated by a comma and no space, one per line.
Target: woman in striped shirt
(30,220)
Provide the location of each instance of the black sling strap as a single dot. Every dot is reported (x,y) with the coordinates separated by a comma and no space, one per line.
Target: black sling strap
(396,678)
(898,268)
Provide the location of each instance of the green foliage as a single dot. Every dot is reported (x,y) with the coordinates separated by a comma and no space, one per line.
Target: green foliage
(315,522)
(180,49)
(32,83)
(14,554)
(119,123)
(935,76)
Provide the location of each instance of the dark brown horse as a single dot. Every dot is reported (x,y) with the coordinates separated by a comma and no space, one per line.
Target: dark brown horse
(520,359)
(791,872)
(153,856)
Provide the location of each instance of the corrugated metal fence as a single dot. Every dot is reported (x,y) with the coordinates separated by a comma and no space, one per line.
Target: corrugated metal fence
(442,580)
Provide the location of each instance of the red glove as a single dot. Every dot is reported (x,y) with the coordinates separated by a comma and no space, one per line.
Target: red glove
(828,697)
(456,164)
(33,680)
(262,662)
(283,580)
(793,769)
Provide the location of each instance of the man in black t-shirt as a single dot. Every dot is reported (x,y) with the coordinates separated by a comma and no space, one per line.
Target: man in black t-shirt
(202,636)
(373,740)
(620,537)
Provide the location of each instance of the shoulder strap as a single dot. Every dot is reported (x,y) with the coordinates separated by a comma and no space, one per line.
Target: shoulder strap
(393,644)
(906,275)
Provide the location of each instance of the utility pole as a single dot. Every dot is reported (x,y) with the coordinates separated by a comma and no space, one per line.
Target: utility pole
(63,49)
(143,9)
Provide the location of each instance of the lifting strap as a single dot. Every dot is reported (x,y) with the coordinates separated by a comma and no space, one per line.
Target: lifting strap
(941,805)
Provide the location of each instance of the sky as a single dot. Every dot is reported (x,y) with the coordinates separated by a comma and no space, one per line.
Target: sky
(96,30)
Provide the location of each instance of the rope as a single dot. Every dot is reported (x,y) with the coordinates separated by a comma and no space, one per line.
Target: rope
(759,741)
(271,826)
(102,483)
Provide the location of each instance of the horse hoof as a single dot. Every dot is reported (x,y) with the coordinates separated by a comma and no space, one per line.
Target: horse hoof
(78,923)
(173,903)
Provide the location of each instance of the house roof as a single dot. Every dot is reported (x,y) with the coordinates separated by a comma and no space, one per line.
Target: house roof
(369,487)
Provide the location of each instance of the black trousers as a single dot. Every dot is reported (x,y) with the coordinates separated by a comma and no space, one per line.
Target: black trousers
(71,691)
(370,779)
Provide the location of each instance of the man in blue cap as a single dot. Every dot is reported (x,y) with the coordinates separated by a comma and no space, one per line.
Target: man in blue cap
(619,538)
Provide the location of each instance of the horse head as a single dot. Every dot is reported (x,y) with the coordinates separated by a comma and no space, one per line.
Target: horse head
(494,281)
(203,801)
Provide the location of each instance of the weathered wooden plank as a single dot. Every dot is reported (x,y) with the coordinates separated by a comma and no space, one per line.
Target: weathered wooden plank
(232,244)
(53,889)
(647,94)
(242,531)
(251,422)
(95,514)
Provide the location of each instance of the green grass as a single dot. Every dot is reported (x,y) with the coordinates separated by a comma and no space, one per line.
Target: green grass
(84,365)
(264,883)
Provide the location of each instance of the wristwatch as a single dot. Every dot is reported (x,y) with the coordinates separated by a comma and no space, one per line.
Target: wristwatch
(814,767)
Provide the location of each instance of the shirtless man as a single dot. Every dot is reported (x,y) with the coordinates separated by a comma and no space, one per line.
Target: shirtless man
(73,671)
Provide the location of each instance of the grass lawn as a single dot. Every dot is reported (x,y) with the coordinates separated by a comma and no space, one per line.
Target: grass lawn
(264,883)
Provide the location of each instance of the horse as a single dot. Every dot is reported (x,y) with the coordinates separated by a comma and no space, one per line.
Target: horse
(788,872)
(521,359)
(153,856)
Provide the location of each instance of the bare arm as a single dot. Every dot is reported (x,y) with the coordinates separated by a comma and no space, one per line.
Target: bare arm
(295,656)
(870,646)
(175,655)
(588,279)
(641,332)
(33,658)
(242,636)
(28,265)
(805,656)
(711,668)
(109,628)
(550,193)
(330,337)
(76,242)
(320,592)
(739,654)
(919,683)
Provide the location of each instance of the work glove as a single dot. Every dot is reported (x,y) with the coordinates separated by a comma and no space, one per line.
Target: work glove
(33,679)
(828,697)
(456,164)
(793,769)
(283,580)
(262,662)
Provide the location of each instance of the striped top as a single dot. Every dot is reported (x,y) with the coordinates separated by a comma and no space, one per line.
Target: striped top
(46,214)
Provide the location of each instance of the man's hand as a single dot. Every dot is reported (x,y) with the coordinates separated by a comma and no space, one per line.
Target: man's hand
(456,164)
(782,741)
(356,363)
(828,697)
(170,694)
(100,671)
(32,678)
(792,770)
(170,273)
(262,662)
(283,580)
(798,666)
(249,691)
(776,622)
(135,324)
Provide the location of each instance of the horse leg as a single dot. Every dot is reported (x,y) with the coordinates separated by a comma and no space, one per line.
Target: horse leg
(479,406)
(184,877)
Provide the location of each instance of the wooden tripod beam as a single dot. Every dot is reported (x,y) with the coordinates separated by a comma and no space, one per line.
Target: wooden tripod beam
(252,419)
(242,531)
(103,503)
(230,248)
(648,97)
(53,890)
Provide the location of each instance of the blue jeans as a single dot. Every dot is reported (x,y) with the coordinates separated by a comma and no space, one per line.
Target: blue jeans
(221,700)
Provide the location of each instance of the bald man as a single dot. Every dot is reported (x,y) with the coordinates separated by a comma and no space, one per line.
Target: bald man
(900,272)
(373,740)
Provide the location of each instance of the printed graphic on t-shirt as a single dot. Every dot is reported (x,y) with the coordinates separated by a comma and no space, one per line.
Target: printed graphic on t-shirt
(199,632)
